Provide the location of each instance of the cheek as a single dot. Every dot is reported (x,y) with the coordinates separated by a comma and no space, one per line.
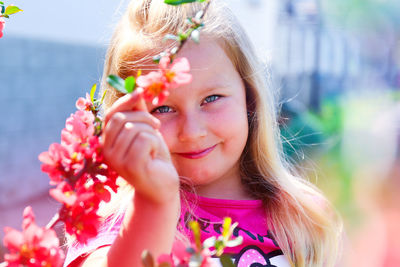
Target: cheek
(168,131)
(231,125)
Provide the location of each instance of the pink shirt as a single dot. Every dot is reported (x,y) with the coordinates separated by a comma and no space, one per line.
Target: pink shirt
(258,245)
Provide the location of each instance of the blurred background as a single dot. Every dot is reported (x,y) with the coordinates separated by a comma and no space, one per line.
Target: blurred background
(334,63)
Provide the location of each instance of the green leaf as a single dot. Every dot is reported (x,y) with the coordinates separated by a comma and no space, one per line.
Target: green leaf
(182,36)
(234,242)
(117,82)
(102,97)
(147,259)
(219,247)
(12,10)
(156,59)
(92,92)
(2,9)
(226,261)
(195,36)
(1,3)
(130,83)
(180,2)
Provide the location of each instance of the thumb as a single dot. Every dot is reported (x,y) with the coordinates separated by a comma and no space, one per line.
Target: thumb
(128,102)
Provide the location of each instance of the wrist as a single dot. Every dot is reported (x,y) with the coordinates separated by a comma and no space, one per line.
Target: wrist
(169,205)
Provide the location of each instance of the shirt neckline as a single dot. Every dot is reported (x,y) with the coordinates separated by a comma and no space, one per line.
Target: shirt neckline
(217,202)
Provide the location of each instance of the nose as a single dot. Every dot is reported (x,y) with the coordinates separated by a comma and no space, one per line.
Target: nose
(192,127)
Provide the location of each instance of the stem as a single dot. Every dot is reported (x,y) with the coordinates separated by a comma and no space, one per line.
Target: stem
(53,221)
(191,29)
(75,178)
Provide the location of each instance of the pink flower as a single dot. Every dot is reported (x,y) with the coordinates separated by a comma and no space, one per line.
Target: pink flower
(180,252)
(176,73)
(154,86)
(35,246)
(78,128)
(93,150)
(84,103)
(64,194)
(53,162)
(207,258)
(2,24)
(166,258)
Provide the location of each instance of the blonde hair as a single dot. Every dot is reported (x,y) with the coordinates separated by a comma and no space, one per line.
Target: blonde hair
(302,221)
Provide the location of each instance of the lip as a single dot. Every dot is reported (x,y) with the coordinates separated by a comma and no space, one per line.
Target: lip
(197,154)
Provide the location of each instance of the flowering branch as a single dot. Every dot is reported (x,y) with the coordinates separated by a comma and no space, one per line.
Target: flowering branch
(5,12)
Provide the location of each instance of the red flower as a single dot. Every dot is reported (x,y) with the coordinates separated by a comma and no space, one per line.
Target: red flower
(81,219)
(34,247)
(79,210)
(2,23)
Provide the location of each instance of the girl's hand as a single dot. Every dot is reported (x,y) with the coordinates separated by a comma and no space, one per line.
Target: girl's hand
(133,146)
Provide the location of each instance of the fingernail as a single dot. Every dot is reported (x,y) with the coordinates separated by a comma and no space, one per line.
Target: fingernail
(157,122)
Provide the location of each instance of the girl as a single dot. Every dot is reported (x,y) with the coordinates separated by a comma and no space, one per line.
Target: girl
(211,150)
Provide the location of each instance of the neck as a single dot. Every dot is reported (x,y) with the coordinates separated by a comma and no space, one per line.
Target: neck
(227,187)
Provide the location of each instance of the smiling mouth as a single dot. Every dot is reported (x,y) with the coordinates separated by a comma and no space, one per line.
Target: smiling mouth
(197,154)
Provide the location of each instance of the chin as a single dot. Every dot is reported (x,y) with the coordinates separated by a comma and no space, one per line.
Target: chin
(198,177)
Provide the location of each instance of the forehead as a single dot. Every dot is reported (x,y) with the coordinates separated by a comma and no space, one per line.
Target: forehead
(212,73)
(205,56)
(210,67)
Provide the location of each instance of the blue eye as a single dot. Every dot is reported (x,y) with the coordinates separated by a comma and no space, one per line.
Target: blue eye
(162,109)
(211,98)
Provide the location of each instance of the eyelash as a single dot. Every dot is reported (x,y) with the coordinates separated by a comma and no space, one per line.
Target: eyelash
(212,98)
(215,98)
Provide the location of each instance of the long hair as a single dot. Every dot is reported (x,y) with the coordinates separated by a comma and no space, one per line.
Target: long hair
(303,222)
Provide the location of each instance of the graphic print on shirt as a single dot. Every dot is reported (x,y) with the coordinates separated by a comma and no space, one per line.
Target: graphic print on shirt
(251,253)
(253,256)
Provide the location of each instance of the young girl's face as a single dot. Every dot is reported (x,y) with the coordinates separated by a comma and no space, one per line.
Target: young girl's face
(205,122)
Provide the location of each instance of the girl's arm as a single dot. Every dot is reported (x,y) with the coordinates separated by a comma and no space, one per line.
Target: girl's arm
(134,148)
(150,226)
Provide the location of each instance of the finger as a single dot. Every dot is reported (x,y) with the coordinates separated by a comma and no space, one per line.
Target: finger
(128,102)
(135,161)
(126,136)
(163,151)
(144,147)
(117,122)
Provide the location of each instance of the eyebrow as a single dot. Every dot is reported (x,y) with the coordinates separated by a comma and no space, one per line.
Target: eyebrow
(213,87)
